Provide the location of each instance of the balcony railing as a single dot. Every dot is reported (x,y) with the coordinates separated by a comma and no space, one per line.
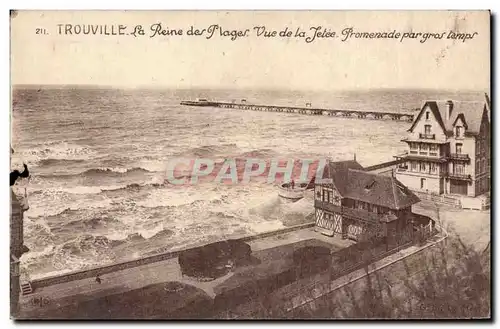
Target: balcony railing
(430,156)
(427,136)
(402,168)
(459,176)
(459,156)
(362,214)
(327,206)
(356,213)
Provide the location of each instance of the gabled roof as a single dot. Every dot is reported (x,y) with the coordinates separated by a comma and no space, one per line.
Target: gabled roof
(433,106)
(354,183)
(462,118)
(471,112)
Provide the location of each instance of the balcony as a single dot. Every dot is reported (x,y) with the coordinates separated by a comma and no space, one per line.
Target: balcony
(362,214)
(459,176)
(327,206)
(423,156)
(459,157)
(355,213)
(427,136)
(402,168)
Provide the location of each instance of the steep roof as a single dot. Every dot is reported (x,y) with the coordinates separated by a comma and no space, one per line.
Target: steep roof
(381,190)
(338,172)
(354,183)
(433,106)
(472,112)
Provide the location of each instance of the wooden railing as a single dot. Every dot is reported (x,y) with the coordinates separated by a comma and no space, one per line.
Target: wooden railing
(362,214)
(356,213)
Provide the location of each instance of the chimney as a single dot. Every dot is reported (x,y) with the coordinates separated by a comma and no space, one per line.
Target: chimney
(449,109)
(354,156)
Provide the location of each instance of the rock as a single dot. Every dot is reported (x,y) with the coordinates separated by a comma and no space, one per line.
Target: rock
(214,260)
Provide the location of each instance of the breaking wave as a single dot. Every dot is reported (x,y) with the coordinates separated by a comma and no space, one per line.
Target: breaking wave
(99,172)
(62,162)
(211,150)
(260,153)
(57,151)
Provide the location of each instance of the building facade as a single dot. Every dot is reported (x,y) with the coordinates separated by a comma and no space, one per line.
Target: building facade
(357,204)
(448,149)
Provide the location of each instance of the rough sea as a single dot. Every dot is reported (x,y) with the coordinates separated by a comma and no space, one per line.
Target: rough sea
(98,156)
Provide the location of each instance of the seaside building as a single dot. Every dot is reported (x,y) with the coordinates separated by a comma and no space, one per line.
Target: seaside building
(448,149)
(357,202)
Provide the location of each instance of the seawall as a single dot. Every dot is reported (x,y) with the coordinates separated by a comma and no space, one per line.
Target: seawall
(83,274)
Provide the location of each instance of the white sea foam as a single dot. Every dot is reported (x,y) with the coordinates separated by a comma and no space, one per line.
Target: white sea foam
(54,150)
(176,197)
(149,233)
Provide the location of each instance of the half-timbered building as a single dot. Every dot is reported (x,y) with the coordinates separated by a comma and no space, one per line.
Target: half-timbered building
(355,202)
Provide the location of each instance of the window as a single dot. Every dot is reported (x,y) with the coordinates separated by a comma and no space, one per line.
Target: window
(459,168)
(422,183)
(477,166)
(433,168)
(325,196)
(413,148)
(413,166)
(423,147)
(433,149)
(427,115)
(458,148)
(477,146)
(427,129)
(458,131)
(422,166)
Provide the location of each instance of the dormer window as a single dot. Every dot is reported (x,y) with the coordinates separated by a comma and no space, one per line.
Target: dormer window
(427,115)
(369,185)
(458,132)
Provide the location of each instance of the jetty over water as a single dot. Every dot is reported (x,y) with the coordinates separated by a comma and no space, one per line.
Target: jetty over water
(308,110)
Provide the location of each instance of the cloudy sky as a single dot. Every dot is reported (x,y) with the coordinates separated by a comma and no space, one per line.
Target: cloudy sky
(253,62)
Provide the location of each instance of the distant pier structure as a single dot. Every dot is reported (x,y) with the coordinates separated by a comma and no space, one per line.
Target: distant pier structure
(308,110)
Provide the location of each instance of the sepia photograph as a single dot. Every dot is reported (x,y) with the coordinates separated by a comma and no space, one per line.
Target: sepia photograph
(250,165)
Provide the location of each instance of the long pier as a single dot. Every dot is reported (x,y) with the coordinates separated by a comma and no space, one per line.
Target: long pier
(308,110)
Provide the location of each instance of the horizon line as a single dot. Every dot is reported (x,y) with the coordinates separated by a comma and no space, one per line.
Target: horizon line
(169,87)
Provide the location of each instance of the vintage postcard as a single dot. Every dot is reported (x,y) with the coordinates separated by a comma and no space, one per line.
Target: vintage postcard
(250,165)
